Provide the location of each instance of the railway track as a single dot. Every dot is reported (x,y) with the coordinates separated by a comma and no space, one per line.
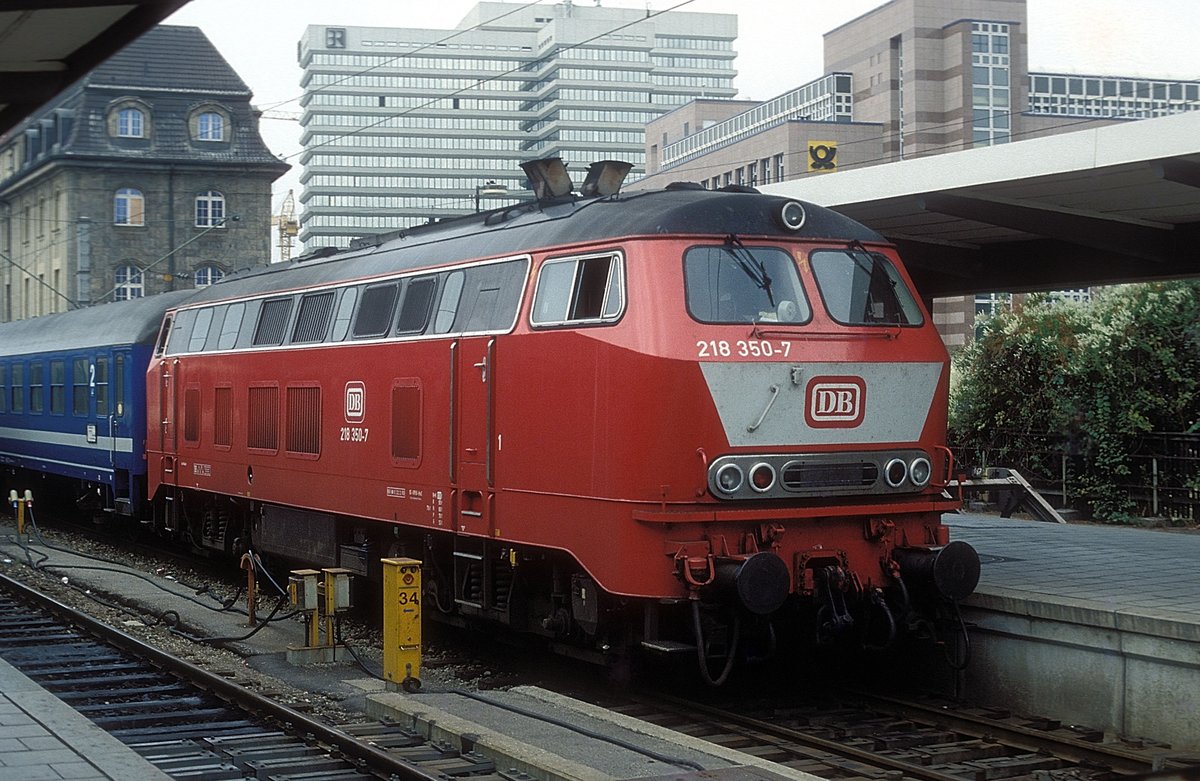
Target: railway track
(866,736)
(193,724)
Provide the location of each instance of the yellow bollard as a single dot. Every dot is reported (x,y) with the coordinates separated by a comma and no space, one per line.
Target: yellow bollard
(402,622)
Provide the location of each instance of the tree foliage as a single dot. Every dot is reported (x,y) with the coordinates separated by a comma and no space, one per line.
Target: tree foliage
(1085,379)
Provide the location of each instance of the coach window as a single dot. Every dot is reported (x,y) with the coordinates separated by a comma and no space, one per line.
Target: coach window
(272,321)
(58,387)
(80,386)
(414,311)
(37,387)
(863,288)
(579,290)
(345,312)
(447,307)
(18,388)
(375,312)
(102,387)
(231,326)
(313,320)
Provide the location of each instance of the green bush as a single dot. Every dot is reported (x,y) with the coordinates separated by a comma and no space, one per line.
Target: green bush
(1088,378)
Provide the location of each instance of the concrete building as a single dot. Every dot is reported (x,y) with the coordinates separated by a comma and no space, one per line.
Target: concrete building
(906,79)
(147,175)
(401,126)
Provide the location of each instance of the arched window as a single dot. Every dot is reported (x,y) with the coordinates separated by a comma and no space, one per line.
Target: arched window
(208,275)
(131,123)
(210,126)
(210,209)
(129,283)
(129,207)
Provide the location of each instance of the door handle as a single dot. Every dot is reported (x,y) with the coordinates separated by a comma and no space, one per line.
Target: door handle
(482,366)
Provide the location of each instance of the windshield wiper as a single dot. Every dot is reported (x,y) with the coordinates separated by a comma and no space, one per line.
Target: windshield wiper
(753,267)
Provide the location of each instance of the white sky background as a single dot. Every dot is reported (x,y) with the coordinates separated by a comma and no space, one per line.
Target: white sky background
(779,44)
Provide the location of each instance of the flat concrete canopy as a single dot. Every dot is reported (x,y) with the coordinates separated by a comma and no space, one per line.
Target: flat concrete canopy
(46,45)
(1101,206)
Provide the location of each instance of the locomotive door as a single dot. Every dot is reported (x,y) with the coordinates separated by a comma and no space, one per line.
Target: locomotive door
(168,385)
(473,457)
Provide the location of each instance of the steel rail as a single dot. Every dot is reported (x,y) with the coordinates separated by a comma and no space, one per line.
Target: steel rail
(1119,758)
(369,755)
(685,707)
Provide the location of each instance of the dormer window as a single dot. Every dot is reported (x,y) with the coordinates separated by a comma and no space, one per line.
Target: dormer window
(131,123)
(209,123)
(211,127)
(129,118)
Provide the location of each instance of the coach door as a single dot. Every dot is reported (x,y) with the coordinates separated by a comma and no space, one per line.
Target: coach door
(474,441)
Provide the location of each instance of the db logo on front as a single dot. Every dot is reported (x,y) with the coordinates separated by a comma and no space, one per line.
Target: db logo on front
(356,402)
(835,402)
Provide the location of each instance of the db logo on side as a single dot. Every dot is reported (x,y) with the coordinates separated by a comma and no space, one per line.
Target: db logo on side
(356,402)
(835,402)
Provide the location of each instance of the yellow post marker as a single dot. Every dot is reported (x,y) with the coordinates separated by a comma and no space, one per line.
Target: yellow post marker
(402,622)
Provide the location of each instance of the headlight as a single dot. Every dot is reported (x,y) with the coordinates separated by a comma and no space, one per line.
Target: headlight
(729,478)
(919,471)
(762,477)
(894,472)
(791,215)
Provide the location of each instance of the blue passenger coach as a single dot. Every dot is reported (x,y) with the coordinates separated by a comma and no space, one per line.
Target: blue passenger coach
(73,400)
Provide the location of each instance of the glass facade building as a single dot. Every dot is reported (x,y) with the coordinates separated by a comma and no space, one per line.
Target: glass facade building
(404,126)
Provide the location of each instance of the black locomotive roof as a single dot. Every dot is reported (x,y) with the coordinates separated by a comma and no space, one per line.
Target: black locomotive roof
(539,226)
(121,323)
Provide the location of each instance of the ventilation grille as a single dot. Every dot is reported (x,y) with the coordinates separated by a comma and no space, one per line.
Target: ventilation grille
(223,417)
(304,420)
(262,430)
(191,415)
(799,476)
(406,422)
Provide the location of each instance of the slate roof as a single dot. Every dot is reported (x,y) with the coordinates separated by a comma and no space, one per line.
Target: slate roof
(170,57)
(173,70)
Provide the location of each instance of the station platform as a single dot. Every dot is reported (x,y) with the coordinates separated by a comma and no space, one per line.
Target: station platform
(1094,625)
(42,738)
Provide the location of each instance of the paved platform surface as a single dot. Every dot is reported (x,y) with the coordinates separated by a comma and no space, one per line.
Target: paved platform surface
(1148,573)
(42,738)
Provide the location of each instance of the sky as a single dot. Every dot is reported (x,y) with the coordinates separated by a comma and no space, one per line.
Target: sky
(779,43)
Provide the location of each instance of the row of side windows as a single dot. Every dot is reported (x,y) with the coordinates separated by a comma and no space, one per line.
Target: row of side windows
(129,208)
(483,298)
(38,386)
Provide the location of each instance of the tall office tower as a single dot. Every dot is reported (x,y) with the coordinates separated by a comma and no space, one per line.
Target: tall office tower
(402,126)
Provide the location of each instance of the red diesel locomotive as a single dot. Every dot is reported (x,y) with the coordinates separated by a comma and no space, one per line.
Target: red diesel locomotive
(669,419)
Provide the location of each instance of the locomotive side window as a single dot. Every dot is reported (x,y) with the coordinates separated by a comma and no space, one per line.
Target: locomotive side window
(734,283)
(447,307)
(375,312)
(313,320)
(231,326)
(341,322)
(200,330)
(181,332)
(579,290)
(491,297)
(863,288)
(414,311)
(272,321)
